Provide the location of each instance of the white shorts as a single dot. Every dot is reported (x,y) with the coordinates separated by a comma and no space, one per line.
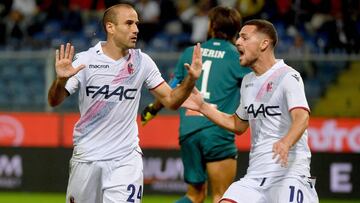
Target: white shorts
(272,189)
(107,181)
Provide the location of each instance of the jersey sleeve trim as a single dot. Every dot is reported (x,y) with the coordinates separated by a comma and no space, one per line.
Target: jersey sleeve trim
(229,200)
(157,85)
(67,91)
(300,107)
(241,118)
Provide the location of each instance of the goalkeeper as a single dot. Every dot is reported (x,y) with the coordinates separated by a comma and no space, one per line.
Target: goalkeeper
(208,152)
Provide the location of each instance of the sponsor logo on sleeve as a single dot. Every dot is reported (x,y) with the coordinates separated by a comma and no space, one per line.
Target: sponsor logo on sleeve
(296,77)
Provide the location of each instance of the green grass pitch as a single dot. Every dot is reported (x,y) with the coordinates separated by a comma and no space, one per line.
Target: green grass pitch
(23,197)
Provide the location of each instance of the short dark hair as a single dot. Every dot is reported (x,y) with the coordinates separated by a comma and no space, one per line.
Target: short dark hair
(265,27)
(110,13)
(225,23)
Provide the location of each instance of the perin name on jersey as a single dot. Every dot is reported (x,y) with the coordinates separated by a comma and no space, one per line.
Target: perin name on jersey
(212,53)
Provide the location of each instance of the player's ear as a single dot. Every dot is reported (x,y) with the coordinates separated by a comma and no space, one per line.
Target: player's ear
(264,44)
(110,28)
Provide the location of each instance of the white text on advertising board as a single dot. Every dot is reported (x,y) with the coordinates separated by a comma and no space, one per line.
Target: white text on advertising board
(11,171)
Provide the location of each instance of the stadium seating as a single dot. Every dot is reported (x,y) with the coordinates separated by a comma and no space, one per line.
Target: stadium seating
(342,98)
(22,84)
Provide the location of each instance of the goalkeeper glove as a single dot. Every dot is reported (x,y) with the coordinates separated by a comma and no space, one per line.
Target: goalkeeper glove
(148,113)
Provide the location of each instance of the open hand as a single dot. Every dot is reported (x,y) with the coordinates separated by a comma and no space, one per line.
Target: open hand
(194,70)
(63,62)
(281,151)
(194,101)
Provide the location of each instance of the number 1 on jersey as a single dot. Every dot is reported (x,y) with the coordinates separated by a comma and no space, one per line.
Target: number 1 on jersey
(204,83)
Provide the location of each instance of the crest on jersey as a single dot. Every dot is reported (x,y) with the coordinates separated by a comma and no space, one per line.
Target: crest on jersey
(130,68)
(269,87)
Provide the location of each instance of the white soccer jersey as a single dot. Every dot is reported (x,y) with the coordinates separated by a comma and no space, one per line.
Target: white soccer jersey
(109,95)
(266,102)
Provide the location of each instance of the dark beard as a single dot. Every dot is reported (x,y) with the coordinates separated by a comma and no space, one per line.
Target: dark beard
(250,63)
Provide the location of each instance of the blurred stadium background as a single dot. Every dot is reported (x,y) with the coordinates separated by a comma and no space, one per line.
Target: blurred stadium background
(319,38)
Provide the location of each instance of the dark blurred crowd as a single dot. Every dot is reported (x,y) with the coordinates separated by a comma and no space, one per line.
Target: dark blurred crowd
(304,26)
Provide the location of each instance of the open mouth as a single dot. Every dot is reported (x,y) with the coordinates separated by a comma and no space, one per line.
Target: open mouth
(241,52)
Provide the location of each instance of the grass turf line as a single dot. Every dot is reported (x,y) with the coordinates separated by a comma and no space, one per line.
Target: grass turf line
(25,197)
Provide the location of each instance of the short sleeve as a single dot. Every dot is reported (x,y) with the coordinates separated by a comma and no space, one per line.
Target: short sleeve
(72,85)
(294,91)
(241,111)
(153,78)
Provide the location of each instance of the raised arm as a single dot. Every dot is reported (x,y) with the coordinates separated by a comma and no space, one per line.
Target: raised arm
(151,110)
(173,98)
(64,70)
(232,122)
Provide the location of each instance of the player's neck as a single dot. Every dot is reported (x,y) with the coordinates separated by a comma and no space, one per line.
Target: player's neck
(113,51)
(264,63)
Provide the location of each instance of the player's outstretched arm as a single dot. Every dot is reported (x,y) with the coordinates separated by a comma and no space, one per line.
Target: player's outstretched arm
(151,110)
(64,70)
(232,123)
(173,98)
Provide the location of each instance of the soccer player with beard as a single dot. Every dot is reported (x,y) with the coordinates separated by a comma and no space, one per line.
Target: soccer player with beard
(209,152)
(274,106)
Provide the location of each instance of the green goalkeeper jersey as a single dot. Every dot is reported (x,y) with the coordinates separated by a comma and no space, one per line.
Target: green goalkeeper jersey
(219,82)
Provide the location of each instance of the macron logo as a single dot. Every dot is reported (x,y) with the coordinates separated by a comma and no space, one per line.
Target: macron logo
(99,66)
